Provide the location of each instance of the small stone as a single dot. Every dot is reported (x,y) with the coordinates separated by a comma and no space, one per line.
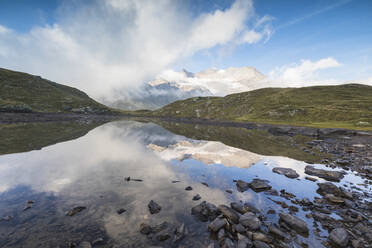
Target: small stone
(85,244)
(98,241)
(121,210)
(188,188)
(196,197)
(29,204)
(260,244)
(154,208)
(242,186)
(205,184)
(145,229)
(75,210)
(229,191)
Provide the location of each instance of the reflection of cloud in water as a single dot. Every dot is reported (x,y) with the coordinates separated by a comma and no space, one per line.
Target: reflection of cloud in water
(208,152)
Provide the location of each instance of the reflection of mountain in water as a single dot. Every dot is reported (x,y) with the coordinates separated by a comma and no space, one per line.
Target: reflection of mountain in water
(208,152)
(25,137)
(253,140)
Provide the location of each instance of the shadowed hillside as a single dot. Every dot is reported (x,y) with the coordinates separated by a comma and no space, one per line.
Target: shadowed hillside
(21,92)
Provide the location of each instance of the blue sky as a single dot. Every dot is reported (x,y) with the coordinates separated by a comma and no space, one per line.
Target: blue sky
(331,39)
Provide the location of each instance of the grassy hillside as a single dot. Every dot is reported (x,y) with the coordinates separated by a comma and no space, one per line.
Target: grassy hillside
(344,106)
(21,92)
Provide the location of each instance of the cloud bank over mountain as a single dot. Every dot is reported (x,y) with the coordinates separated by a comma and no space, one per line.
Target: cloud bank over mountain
(102,46)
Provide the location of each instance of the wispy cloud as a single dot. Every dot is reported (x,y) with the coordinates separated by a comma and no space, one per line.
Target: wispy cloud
(312,14)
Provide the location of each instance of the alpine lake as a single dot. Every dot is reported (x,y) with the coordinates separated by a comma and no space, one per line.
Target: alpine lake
(137,183)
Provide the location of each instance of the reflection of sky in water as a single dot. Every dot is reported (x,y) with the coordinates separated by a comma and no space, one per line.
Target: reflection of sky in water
(89,171)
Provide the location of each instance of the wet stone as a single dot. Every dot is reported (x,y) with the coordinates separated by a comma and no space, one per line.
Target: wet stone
(196,197)
(242,185)
(154,208)
(75,210)
(288,172)
(188,188)
(120,211)
(216,225)
(85,244)
(29,204)
(229,191)
(205,211)
(250,221)
(339,236)
(260,244)
(325,174)
(229,213)
(259,185)
(294,222)
(238,207)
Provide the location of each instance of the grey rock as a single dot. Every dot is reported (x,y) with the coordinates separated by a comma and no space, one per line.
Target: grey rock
(196,197)
(205,211)
(259,185)
(242,185)
(329,188)
(216,225)
(188,188)
(245,243)
(260,244)
(339,236)
(238,207)
(250,221)
(228,243)
(85,244)
(325,174)
(279,233)
(294,222)
(75,210)
(288,172)
(154,208)
(229,213)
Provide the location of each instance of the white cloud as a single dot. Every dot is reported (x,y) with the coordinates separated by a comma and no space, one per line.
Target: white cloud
(101,46)
(251,37)
(304,73)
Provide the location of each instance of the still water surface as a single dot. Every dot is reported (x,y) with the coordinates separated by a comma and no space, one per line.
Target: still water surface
(89,171)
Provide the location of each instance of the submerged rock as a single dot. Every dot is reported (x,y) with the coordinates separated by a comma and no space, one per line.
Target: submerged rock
(85,244)
(196,197)
(329,188)
(121,210)
(205,211)
(259,185)
(325,174)
(242,185)
(75,210)
(288,172)
(250,221)
(294,222)
(154,208)
(339,236)
(29,204)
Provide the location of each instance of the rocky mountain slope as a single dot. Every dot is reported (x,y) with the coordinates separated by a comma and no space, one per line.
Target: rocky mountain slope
(172,86)
(21,92)
(347,106)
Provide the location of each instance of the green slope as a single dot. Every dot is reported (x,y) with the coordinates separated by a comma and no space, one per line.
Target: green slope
(21,92)
(344,106)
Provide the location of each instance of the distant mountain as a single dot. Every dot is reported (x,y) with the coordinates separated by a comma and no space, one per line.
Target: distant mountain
(22,92)
(346,106)
(172,86)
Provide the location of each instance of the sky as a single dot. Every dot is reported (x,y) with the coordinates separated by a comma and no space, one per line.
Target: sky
(100,46)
